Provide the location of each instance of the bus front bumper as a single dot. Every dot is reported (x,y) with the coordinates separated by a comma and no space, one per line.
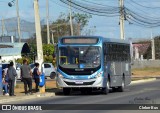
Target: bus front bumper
(96,82)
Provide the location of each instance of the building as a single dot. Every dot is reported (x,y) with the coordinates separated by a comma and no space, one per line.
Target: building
(10,50)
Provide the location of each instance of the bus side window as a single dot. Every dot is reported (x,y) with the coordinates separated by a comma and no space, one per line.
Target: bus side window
(105,48)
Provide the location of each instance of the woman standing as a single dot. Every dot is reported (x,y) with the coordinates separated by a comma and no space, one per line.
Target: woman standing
(36,74)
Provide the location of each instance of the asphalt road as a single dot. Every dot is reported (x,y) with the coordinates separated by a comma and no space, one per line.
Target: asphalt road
(143,93)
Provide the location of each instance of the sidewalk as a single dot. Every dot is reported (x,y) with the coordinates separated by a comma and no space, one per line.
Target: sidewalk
(20,96)
(5,99)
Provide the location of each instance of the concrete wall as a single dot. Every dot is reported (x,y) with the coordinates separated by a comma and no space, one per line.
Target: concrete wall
(145,63)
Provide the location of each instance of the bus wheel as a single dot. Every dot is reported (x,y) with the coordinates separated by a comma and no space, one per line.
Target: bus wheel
(121,88)
(66,91)
(106,89)
(114,89)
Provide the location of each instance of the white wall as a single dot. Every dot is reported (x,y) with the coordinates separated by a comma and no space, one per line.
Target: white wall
(9,58)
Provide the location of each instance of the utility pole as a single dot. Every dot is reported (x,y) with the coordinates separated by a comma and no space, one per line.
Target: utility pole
(47,19)
(38,38)
(2,22)
(52,37)
(153,46)
(70,15)
(18,21)
(1,87)
(121,3)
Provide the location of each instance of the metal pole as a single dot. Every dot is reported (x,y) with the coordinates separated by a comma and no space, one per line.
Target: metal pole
(121,3)
(1,91)
(153,46)
(18,22)
(70,15)
(47,18)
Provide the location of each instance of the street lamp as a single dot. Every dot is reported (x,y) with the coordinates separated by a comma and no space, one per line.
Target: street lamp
(10,4)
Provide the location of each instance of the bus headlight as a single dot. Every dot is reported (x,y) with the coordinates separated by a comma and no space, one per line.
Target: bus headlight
(60,75)
(99,74)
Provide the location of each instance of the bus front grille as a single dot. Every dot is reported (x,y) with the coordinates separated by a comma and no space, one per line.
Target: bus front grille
(84,83)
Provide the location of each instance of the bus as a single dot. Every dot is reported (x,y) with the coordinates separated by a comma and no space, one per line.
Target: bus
(88,63)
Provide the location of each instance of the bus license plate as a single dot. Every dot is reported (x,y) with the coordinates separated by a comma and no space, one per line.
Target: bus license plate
(79,82)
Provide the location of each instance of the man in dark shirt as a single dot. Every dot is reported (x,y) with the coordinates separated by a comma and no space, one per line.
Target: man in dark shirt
(11,76)
(26,75)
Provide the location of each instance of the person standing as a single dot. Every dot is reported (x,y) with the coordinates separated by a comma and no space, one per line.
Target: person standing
(11,77)
(36,74)
(26,76)
(4,83)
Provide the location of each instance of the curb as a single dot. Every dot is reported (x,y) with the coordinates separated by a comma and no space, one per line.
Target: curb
(143,81)
(10,99)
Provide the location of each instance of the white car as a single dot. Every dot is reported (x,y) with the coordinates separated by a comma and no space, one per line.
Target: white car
(47,68)
(17,67)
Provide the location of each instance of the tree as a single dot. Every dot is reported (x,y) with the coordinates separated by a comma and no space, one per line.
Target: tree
(81,20)
(61,26)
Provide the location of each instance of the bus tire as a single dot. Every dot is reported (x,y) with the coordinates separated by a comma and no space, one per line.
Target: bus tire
(66,91)
(106,89)
(121,88)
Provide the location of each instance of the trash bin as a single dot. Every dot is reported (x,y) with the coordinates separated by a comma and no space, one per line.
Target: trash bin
(42,80)
(1,91)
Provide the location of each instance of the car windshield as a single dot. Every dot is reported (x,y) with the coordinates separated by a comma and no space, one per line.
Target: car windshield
(32,66)
(79,57)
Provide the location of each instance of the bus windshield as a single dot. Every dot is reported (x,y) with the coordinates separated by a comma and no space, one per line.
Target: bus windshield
(79,57)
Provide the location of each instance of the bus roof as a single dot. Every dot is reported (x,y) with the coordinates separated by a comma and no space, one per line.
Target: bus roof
(114,40)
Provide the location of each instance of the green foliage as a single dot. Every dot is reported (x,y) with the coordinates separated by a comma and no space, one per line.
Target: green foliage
(48,59)
(20,60)
(48,49)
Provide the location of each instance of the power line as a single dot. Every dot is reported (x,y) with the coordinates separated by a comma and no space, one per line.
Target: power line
(143,5)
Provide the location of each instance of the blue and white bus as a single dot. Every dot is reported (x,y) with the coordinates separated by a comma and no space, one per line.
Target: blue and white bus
(92,63)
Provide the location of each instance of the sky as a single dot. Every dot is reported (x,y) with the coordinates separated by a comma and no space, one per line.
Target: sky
(105,26)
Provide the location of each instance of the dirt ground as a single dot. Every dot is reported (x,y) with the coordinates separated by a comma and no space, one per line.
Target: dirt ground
(20,86)
(146,72)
